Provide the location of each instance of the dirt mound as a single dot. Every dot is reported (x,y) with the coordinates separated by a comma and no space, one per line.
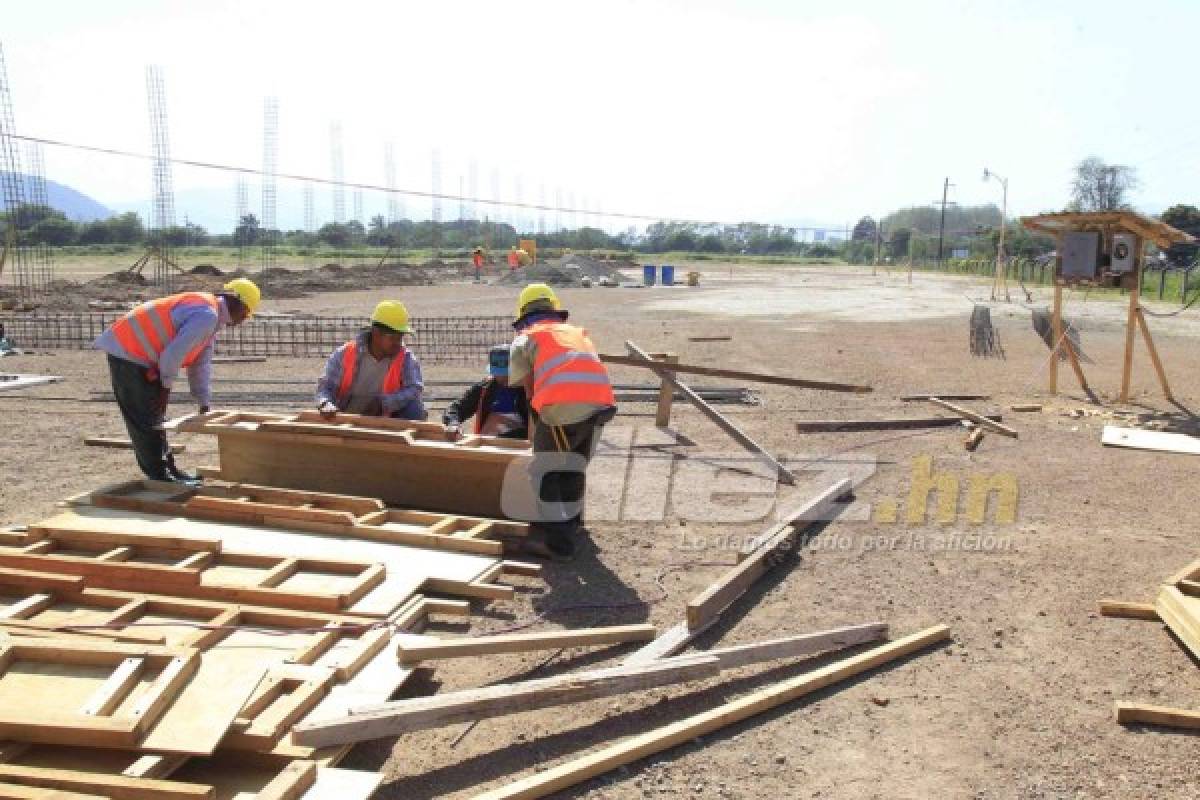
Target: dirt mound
(121,278)
(566,271)
(334,269)
(205,269)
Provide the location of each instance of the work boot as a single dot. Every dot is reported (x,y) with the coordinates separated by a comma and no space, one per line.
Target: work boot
(561,544)
(179,476)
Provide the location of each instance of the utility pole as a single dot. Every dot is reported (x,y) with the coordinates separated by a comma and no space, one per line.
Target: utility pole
(942,223)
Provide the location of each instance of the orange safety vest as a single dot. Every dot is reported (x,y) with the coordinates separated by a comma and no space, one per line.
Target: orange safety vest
(146,331)
(514,260)
(392,382)
(566,367)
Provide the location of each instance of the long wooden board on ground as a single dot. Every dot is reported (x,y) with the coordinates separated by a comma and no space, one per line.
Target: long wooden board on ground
(414,649)
(1161,441)
(646,744)
(911,423)
(117,443)
(401,462)
(706,606)
(421,713)
(753,377)
(666,372)
(978,419)
(13,381)
(1139,713)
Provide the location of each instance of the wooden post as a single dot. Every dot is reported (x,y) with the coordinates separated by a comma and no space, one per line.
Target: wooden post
(666,394)
(1058,335)
(1131,321)
(1154,359)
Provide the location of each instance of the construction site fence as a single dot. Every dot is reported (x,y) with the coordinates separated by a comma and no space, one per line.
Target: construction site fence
(437,340)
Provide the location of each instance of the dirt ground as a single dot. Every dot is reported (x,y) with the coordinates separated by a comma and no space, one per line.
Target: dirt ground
(1020,704)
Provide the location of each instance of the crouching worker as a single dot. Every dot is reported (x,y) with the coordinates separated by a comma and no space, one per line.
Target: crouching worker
(495,407)
(149,346)
(572,399)
(374,374)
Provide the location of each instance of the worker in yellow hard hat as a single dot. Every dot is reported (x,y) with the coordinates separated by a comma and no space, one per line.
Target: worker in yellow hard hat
(571,399)
(149,346)
(375,373)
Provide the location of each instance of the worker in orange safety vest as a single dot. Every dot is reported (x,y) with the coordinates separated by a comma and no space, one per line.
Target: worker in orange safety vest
(571,399)
(374,374)
(149,346)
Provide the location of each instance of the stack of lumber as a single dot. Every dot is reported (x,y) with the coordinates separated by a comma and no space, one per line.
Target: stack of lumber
(1177,606)
(159,641)
(402,463)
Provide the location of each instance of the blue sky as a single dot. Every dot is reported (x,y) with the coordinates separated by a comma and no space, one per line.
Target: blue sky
(771,111)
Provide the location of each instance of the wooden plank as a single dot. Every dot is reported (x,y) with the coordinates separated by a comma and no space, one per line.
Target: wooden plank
(978,419)
(1154,359)
(118,443)
(413,649)
(155,765)
(921,398)
(39,580)
(291,783)
(1181,614)
(1159,441)
(1124,610)
(118,787)
(798,645)
(423,713)
(737,434)
(666,395)
(343,784)
(706,606)
(911,423)
(27,607)
(11,791)
(753,377)
(1139,713)
(114,690)
(673,640)
(655,741)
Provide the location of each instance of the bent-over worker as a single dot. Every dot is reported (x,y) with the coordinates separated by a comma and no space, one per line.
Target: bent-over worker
(146,349)
(571,397)
(497,407)
(374,373)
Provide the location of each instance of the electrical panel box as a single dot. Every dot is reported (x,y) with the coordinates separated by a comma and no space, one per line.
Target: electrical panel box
(1080,255)
(1124,247)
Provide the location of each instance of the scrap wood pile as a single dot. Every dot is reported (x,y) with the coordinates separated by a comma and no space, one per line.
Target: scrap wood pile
(1177,606)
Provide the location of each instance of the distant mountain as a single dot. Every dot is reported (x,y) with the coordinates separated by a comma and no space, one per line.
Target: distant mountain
(75,204)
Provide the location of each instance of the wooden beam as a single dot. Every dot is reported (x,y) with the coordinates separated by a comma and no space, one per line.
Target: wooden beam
(413,649)
(715,372)
(1130,325)
(114,690)
(914,398)
(291,783)
(118,787)
(1181,614)
(978,419)
(118,443)
(1121,609)
(1138,713)
(423,713)
(1154,359)
(738,435)
(656,741)
(844,425)
(707,605)
(1161,441)
(666,395)
(153,765)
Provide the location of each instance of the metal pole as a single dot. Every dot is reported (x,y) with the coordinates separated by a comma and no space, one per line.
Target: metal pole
(942,222)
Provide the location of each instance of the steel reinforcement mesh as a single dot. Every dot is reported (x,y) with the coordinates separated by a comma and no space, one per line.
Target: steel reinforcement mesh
(440,340)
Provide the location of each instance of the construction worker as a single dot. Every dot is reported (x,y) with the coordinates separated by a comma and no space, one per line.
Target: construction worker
(498,408)
(514,258)
(571,399)
(375,373)
(146,349)
(477,260)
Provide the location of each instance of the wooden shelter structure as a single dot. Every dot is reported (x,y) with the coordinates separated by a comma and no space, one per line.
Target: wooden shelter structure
(1104,248)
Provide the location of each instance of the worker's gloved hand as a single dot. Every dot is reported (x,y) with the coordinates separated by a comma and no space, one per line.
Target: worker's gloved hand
(453,432)
(374,408)
(204,409)
(327,410)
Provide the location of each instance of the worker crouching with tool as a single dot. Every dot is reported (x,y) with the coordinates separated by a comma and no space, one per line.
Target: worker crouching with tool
(149,346)
(494,407)
(374,374)
(571,399)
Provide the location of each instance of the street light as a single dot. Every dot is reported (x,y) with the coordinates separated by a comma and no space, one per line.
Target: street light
(1001,276)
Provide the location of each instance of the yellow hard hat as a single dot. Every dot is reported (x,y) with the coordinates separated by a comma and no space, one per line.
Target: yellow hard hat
(534,292)
(246,291)
(391,314)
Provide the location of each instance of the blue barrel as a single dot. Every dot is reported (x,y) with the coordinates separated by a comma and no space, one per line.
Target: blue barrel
(668,275)
(648,274)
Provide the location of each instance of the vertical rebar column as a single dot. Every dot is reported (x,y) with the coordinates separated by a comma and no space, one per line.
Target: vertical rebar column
(163,218)
(389,175)
(12,191)
(310,221)
(518,212)
(43,260)
(541,224)
(473,188)
(270,164)
(436,201)
(339,173)
(241,231)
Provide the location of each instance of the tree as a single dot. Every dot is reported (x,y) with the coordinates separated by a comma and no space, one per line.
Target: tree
(898,243)
(126,228)
(1185,218)
(1101,187)
(55,231)
(864,231)
(334,234)
(247,231)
